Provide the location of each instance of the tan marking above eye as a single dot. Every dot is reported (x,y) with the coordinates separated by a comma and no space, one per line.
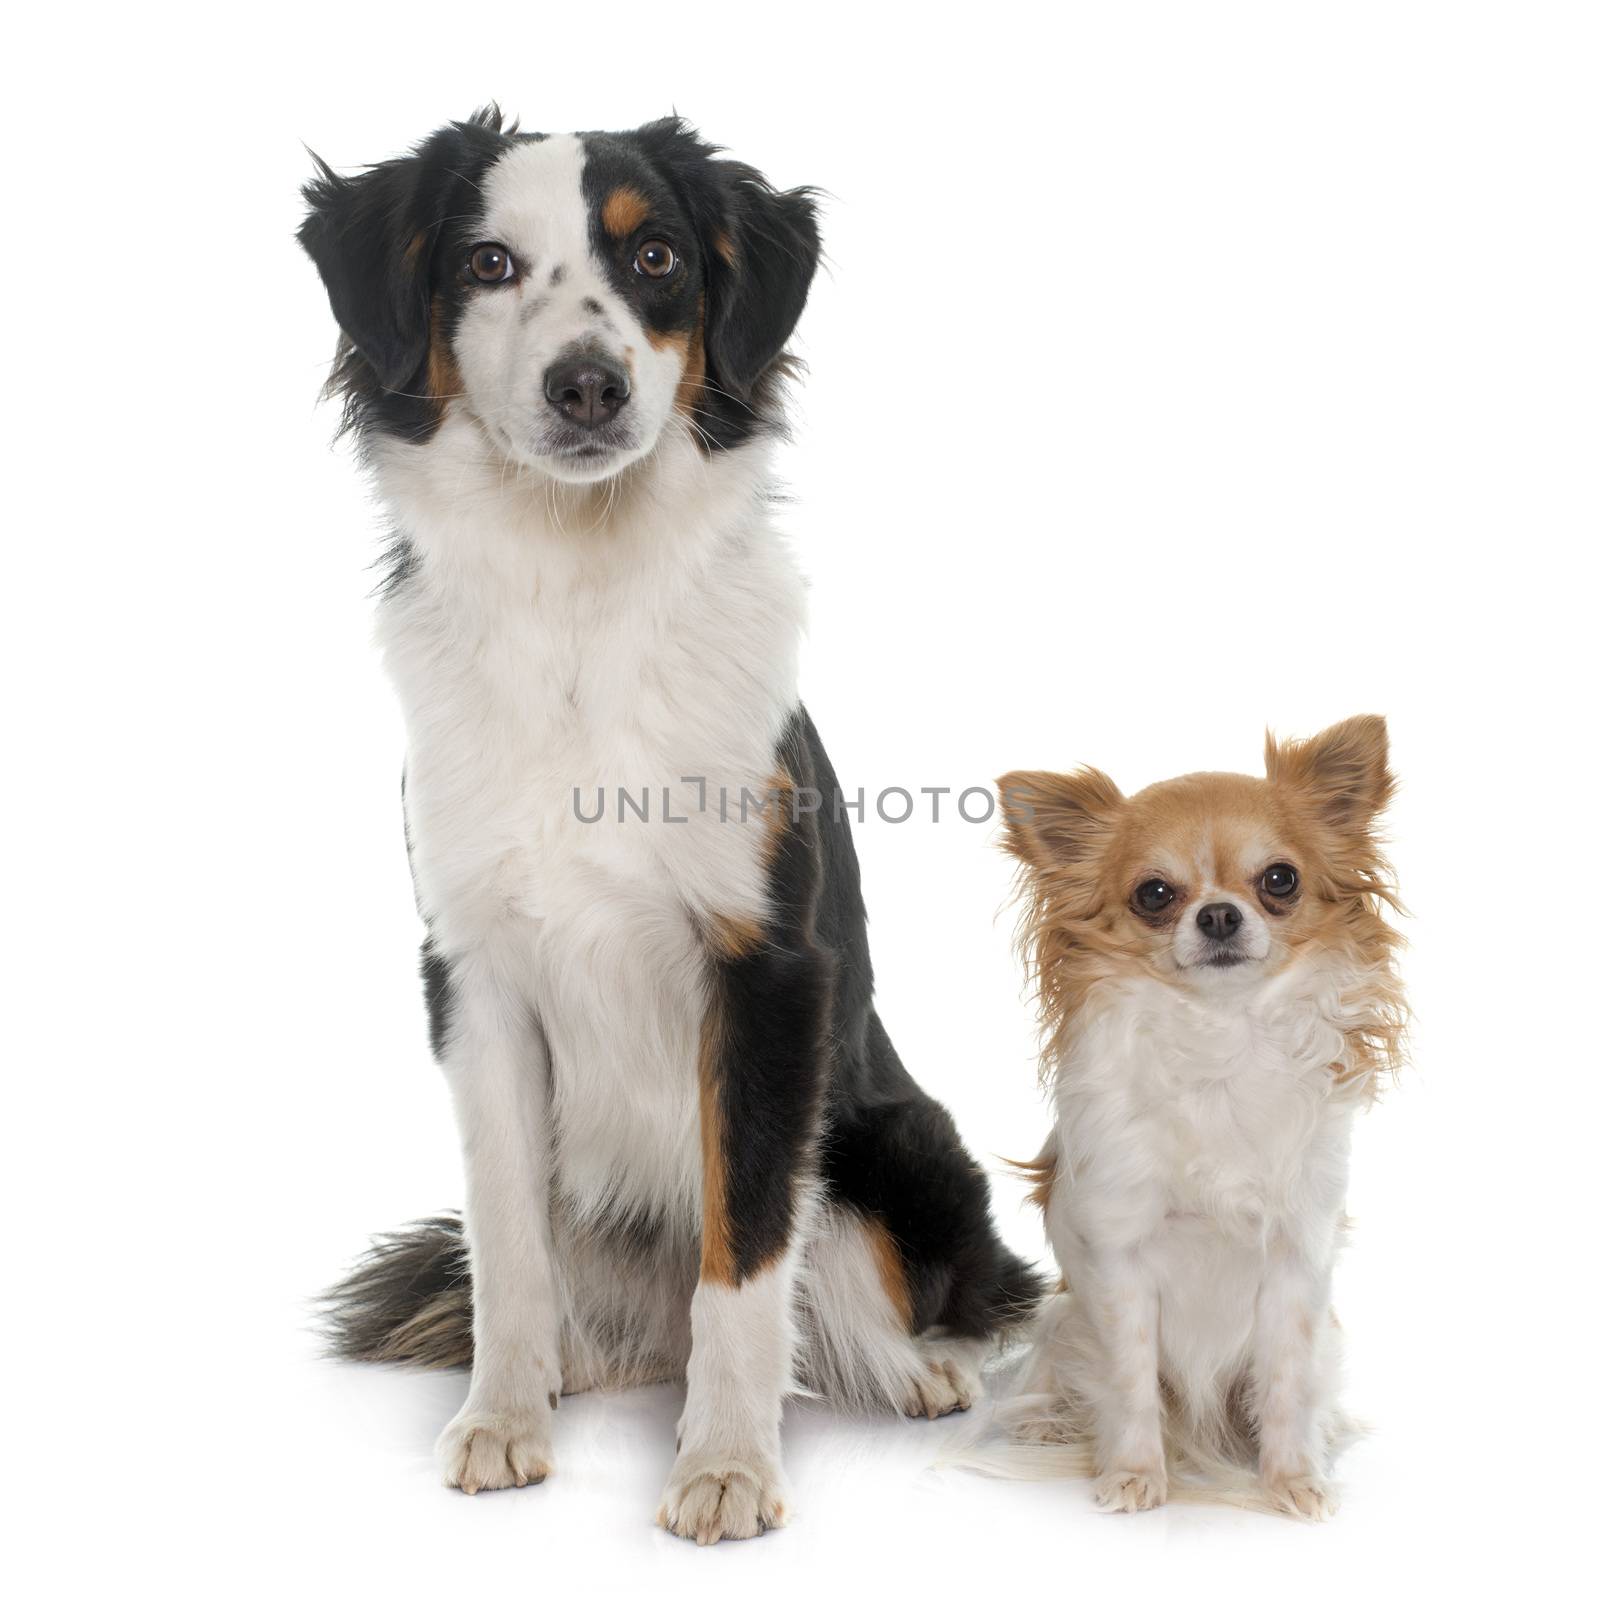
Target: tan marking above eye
(625,209)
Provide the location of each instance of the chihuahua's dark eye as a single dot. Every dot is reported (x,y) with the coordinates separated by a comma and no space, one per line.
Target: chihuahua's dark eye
(1154,895)
(1280,880)
(655,259)
(491,263)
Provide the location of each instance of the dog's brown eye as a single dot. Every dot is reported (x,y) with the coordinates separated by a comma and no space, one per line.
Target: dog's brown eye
(1280,880)
(491,263)
(1154,895)
(654,258)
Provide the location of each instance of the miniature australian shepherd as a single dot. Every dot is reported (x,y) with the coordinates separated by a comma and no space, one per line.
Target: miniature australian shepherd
(1218,996)
(691,1151)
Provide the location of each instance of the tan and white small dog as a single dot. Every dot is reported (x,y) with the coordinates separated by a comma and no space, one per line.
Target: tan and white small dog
(1218,997)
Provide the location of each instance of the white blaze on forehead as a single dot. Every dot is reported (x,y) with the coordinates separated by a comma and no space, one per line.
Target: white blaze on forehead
(510,336)
(533,203)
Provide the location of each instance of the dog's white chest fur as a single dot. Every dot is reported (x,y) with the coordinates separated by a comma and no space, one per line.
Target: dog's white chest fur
(1203,1136)
(545,667)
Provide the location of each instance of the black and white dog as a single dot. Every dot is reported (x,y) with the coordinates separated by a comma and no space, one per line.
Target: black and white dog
(691,1150)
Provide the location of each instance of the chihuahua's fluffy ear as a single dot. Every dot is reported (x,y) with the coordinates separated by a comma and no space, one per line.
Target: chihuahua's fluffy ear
(1343,772)
(1052,818)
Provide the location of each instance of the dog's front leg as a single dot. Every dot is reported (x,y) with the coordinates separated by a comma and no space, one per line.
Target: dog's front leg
(1124,1308)
(1291,1362)
(495,1060)
(761,1065)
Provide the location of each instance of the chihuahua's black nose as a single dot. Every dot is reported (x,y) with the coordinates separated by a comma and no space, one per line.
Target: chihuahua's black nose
(586,389)
(1219,920)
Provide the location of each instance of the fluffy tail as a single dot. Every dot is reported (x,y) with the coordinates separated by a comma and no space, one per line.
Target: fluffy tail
(408,1299)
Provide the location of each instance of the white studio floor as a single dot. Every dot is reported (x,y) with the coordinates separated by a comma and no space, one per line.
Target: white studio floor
(350,1502)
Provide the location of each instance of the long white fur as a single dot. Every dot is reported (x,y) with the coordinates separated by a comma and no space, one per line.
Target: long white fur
(498,1070)
(1201,1149)
(641,634)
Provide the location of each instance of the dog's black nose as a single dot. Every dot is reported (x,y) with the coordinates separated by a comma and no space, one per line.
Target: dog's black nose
(1219,920)
(586,389)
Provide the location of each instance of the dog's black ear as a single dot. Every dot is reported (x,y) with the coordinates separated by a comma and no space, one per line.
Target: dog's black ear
(375,237)
(758,273)
(761,247)
(373,248)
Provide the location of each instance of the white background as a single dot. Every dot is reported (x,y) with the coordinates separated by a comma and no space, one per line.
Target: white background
(1177,372)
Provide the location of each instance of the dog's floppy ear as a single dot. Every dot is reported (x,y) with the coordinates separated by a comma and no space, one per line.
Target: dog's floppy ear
(374,238)
(758,274)
(1343,771)
(374,251)
(761,251)
(1054,818)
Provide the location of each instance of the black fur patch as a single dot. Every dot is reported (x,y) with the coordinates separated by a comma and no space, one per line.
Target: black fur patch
(888,1148)
(771,1006)
(388,244)
(746,256)
(438,990)
(809,1082)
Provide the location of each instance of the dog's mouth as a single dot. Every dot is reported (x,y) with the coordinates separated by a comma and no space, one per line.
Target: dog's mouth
(1222,961)
(589,452)
(572,455)
(585,456)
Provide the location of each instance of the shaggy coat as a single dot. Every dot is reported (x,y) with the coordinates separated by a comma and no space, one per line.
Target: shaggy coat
(691,1151)
(1218,998)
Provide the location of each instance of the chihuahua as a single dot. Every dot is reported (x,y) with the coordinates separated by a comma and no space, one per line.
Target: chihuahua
(1218,995)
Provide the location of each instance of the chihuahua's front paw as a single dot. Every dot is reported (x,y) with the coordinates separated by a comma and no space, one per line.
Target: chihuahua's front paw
(1302,1494)
(1052,1424)
(1120,1490)
(723,1500)
(496,1449)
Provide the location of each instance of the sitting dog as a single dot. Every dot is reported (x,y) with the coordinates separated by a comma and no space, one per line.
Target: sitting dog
(1218,996)
(691,1150)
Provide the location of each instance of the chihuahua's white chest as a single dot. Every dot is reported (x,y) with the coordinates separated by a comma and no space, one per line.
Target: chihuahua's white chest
(1202,1136)
(1216,1108)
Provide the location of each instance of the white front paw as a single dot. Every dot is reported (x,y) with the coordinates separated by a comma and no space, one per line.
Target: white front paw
(496,1449)
(940,1388)
(727,1499)
(1305,1495)
(1130,1490)
(1052,1424)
